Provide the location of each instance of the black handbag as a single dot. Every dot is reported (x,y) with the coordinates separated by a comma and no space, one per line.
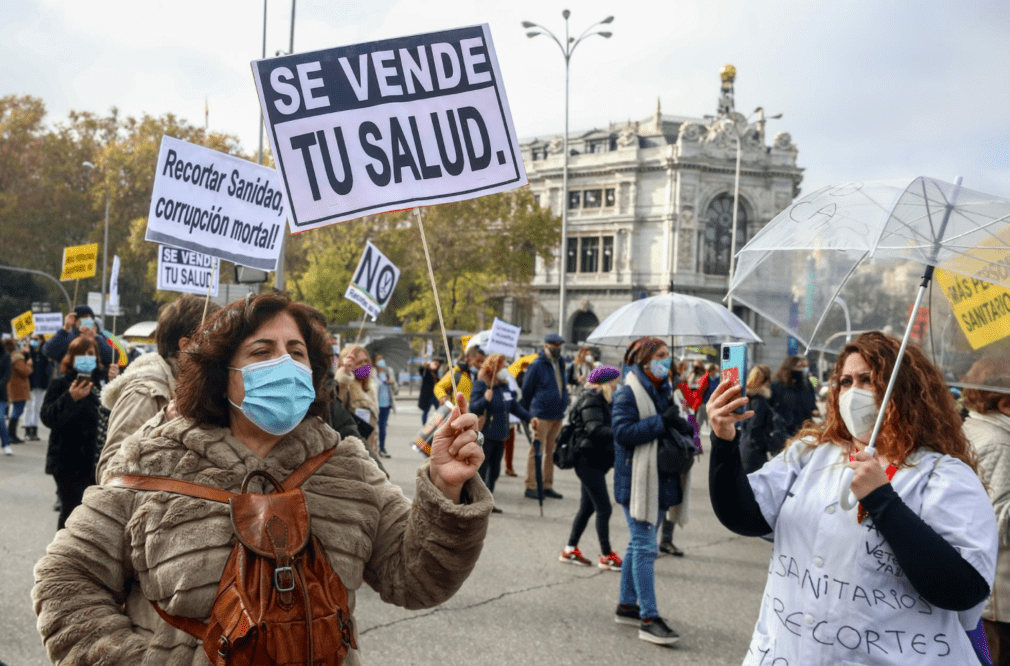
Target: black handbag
(676,453)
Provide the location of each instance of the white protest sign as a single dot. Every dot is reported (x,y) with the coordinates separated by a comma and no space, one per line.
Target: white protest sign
(186,271)
(48,323)
(504,338)
(114,284)
(373,282)
(216,204)
(95,303)
(388,125)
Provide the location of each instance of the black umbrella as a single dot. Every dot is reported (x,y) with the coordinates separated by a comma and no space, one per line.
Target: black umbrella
(537,459)
(395,350)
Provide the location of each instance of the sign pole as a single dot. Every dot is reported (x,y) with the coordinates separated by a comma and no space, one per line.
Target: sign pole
(210,285)
(76,283)
(360,328)
(438,306)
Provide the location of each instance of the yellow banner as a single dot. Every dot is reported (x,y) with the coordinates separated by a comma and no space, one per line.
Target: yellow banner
(79,261)
(982,309)
(23,324)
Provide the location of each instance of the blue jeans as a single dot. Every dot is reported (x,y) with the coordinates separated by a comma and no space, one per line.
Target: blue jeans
(638,578)
(383,420)
(5,438)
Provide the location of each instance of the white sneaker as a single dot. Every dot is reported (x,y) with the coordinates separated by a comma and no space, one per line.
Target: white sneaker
(8,451)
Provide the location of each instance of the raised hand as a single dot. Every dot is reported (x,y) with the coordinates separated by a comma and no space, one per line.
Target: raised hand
(455,454)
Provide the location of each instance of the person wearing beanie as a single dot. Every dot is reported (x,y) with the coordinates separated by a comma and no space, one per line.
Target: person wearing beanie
(594,446)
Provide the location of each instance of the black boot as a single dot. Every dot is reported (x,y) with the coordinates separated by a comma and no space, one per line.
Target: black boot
(12,429)
(32,433)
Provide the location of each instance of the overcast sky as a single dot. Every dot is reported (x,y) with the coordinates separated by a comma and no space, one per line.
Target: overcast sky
(868,89)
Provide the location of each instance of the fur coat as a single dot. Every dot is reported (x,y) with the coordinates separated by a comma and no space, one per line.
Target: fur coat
(989,435)
(354,397)
(133,397)
(122,548)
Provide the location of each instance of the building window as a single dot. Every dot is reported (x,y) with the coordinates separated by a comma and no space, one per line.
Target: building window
(574,200)
(591,199)
(536,199)
(609,199)
(608,254)
(572,249)
(585,255)
(717,241)
(590,254)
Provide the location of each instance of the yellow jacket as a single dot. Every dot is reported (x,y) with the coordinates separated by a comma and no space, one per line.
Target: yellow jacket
(443,388)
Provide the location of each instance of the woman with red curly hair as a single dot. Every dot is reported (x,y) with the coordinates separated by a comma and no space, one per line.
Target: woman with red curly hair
(905,576)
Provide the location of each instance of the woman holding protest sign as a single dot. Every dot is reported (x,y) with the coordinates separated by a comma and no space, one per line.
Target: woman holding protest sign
(250,396)
(358,389)
(493,401)
(901,579)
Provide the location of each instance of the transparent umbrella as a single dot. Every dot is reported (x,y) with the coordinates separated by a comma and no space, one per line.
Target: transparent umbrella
(683,320)
(862,256)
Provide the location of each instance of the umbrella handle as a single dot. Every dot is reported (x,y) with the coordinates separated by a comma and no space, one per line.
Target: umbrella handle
(846,499)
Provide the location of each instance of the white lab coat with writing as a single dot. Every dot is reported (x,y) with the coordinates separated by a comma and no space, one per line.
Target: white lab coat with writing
(835,594)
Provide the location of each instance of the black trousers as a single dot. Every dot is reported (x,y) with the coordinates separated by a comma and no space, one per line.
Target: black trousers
(489,470)
(595,499)
(70,489)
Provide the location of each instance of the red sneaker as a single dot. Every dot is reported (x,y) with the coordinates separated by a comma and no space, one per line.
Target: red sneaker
(573,556)
(612,562)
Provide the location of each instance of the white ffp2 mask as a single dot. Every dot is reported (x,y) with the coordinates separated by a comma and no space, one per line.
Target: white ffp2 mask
(858,409)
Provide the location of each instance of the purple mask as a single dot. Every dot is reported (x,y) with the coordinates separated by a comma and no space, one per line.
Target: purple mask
(363,372)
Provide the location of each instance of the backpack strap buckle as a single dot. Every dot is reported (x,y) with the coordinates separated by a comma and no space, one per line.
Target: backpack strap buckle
(284,579)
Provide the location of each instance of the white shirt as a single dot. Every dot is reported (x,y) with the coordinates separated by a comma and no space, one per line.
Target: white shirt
(835,594)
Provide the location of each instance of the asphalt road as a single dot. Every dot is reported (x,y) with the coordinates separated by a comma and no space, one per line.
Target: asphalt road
(520,605)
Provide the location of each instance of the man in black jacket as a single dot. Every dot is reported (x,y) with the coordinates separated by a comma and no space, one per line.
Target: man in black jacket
(79,322)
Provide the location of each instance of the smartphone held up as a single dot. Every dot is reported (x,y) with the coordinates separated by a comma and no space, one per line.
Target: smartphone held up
(734,367)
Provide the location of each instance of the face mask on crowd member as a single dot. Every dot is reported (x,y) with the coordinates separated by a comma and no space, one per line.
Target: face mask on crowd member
(85,364)
(659,368)
(590,359)
(278,394)
(554,351)
(381,363)
(858,409)
(503,375)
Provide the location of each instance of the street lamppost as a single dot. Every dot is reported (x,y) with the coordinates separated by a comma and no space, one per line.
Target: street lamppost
(566,50)
(105,245)
(738,133)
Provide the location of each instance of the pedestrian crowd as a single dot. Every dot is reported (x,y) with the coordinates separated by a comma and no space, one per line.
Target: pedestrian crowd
(153,459)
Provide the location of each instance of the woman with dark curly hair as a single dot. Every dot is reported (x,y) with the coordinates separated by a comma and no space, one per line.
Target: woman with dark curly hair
(905,576)
(252,399)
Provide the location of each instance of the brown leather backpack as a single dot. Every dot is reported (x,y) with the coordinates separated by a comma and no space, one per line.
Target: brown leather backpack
(279,602)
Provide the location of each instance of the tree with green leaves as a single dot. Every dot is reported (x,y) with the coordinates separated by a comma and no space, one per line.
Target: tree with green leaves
(482,251)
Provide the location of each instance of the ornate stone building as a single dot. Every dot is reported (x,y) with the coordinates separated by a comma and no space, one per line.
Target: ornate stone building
(650,210)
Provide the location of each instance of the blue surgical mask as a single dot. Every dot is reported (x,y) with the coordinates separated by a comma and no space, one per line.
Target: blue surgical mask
(278,394)
(85,364)
(87,322)
(660,368)
(34,344)
(381,363)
